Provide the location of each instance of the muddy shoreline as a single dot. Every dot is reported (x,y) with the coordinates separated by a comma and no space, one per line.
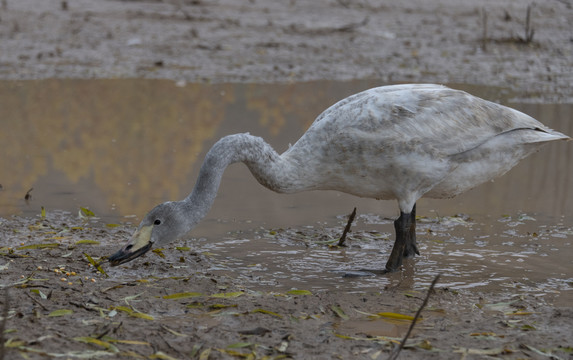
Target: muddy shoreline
(292,41)
(177,303)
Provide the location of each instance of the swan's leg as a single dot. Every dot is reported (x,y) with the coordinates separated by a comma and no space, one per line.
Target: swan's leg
(405,244)
(410,247)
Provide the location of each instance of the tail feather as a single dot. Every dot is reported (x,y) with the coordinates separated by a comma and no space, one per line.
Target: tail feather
(544,135)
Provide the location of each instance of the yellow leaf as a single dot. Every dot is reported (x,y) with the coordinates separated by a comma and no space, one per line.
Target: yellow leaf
(161,355)
(205,354)
(221,306)
(489,352)
(173,331)
(14,343)
(130,342)
(142,316)
(299,292)
(85,212)
(519,313)
(60,312)
(182,295)
(392,315)
(90,340)
(195,305)
(41,294)
(234,353)
(159,251)
(263,311)
(133,313)
(96,265)
(426,345)
(38,246)
(339,312)
(131,354)
(123,308)
(87,242)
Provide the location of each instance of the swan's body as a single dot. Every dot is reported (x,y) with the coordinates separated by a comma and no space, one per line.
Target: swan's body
(398,142)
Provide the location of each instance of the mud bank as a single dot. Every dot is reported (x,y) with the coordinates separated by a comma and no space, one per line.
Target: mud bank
(489,43)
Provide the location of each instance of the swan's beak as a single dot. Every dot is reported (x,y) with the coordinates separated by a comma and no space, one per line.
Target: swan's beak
(139,244)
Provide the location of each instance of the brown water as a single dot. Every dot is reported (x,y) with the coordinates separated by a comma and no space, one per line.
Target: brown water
(118,147)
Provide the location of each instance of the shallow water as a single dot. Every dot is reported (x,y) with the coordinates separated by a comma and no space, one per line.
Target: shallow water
(118,147)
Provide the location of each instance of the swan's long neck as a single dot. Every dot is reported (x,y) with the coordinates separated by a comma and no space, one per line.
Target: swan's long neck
(266,165)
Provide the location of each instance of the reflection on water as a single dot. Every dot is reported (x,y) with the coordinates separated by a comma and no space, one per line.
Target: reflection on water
(119,147)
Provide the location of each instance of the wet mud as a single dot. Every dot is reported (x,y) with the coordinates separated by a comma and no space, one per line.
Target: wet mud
(279,293)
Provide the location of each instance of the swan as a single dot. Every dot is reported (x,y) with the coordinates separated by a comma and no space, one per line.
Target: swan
(398,142)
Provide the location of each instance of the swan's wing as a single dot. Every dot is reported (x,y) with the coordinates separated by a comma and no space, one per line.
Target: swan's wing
(449,121)
(402,141)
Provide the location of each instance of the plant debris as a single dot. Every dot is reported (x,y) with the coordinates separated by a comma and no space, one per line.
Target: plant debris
(161,309)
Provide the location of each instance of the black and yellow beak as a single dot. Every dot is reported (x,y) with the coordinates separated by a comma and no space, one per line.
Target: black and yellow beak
(139,244)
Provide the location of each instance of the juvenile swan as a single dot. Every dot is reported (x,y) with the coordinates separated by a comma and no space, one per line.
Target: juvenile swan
(393,142)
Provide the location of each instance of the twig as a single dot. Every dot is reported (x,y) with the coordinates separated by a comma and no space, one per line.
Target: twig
(105,331)
(484,30)
(38,302)
(353,26)
(3,323)
(347,228)
(396,351)
(329,30)
(28,196)
(529,32)
(83,306)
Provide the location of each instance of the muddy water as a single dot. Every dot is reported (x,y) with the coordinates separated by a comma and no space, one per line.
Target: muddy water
(118,147)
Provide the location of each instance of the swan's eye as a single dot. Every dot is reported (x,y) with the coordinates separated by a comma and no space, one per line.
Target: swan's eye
(157,222)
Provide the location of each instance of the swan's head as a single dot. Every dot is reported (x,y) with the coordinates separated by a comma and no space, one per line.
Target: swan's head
(160,226)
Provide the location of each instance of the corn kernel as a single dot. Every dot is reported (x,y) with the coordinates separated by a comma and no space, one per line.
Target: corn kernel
(93,280)
(64,279)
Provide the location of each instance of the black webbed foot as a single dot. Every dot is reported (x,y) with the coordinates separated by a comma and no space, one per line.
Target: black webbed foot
(405,244)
